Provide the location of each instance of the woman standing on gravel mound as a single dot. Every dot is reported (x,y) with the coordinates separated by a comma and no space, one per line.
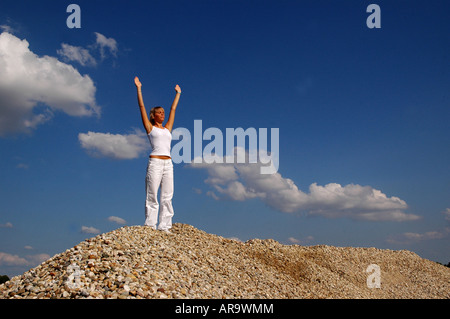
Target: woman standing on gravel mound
(160,166)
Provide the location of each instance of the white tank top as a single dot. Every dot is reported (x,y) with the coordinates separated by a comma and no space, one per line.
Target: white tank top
(160,139)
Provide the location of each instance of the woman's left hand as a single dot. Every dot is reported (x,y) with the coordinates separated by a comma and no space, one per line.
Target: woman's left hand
(177,88)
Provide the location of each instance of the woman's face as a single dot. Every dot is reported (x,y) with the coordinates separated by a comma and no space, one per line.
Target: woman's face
(159,115)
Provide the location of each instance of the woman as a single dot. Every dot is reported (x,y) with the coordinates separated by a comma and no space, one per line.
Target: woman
(160,167)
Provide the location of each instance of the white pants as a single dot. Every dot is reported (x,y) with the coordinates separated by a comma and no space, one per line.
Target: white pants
(159,173)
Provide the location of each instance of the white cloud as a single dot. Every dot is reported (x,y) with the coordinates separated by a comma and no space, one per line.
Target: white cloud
(410,237)
(37,259)
(78,54)
(447,214)
(425,236)
(105,46)
(89,230)
(244,181)
(14,260)
(115,146)
(116,220)
(32,88)
(6,225)
(103,43)
(6,28)
(293,240)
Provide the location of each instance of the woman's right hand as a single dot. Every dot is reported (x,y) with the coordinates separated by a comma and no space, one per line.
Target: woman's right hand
(137,82)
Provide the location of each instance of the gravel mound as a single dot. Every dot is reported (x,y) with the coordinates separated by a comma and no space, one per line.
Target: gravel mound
(139,262)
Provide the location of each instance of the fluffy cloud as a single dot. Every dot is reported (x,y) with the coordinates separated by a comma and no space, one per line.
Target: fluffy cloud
(115,146)
(293,240)
(243,181)
(6,225)
(37,259)
(83,56)
(410,237)
(447,214)
(14,260)
(426,236)
(78,54)
(89,230)
(6,28)
(116,220)
(104,43)
(33,87)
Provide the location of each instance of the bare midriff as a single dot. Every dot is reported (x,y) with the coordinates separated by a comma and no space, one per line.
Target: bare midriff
(160,156)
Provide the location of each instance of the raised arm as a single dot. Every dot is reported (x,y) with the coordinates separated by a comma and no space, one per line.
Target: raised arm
(173,108)
(147,125)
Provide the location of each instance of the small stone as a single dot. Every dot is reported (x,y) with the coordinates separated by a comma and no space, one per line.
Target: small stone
(136,262)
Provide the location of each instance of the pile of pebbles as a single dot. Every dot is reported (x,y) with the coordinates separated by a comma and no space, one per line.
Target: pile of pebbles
(140,262)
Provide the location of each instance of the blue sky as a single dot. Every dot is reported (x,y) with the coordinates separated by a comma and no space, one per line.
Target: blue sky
(362,115)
